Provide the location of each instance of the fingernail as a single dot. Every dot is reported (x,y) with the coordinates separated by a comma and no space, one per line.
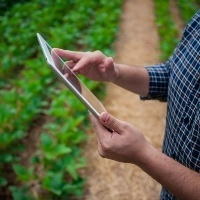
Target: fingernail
(105,117)
(66,75)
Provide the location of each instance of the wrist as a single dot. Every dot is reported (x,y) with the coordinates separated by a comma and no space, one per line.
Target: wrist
(147,151)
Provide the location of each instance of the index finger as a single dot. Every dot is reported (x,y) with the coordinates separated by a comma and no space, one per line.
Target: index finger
(75,56)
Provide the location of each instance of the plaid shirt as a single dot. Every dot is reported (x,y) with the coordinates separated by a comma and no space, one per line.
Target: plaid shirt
(178,82)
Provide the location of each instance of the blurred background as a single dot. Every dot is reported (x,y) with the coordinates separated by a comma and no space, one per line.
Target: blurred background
(43,127)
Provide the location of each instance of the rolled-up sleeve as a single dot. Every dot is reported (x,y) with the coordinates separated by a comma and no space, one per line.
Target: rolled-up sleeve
(158,85)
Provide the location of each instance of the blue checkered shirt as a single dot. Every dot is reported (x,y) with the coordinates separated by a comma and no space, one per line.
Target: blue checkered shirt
(178,82)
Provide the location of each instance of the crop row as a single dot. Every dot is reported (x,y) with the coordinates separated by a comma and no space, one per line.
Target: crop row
(167,29)
(30,93)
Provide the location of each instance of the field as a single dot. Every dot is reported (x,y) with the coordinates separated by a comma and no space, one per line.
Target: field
(47,148)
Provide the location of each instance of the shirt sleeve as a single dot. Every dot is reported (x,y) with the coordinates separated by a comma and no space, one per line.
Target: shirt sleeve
(159,78)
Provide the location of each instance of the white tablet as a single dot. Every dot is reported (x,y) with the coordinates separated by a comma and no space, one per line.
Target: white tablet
(77,87)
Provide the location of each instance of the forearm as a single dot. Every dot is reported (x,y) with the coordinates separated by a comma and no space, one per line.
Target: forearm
(134,79)
(176,178)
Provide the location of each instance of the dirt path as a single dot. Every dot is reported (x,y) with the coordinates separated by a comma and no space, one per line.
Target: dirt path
(137,44)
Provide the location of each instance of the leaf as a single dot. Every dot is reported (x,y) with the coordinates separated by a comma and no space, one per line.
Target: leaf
(19,193)
(74,188)
(3,181)
(61,149)
(46,140)
(58,150)
(6,157)
(71,168)
(23,174)
(35,160)
(53,182)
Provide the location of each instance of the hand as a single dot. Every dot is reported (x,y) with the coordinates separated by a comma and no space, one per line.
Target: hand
(93,65)
(127,144)
(124,144)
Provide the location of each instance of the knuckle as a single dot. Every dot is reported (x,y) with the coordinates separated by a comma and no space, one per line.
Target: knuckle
(87,53)
(98,53)
(112,122)
(109,59)
(125,127)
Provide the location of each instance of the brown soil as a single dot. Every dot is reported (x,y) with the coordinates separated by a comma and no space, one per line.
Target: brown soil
(137,43)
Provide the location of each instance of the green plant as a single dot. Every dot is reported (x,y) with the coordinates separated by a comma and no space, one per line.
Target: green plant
(188,8)
(20,193)
(5,5)
(28,90)
(167,30)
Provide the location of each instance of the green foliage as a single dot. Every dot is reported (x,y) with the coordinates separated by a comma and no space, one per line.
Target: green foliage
(3,181)
(5,5)
(28,89)
(54,183)
(166,28)
(19,193)
(22,173)
(188,8)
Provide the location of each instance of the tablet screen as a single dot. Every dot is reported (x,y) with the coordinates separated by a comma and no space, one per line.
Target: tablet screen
(65,70)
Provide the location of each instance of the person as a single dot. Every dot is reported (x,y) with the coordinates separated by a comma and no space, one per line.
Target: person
(176,81)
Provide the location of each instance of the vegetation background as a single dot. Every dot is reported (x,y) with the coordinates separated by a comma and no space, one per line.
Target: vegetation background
(41,131)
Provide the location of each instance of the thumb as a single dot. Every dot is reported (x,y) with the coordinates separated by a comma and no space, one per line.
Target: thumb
(111,122)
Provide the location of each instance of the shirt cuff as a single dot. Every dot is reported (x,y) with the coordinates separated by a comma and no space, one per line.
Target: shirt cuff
(158,85)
